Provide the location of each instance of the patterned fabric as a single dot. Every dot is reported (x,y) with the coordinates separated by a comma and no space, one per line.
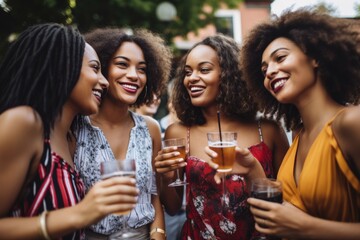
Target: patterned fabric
(93,148)
(57,185)
(327,186)
(206,219)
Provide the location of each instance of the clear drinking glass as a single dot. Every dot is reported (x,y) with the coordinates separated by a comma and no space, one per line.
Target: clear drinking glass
(122,168)
(267,189)
(180,144)
(223,143)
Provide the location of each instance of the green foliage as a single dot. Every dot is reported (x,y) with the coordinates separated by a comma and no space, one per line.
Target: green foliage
(88,14)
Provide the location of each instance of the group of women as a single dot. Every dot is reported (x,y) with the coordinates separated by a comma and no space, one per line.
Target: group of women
(65,108)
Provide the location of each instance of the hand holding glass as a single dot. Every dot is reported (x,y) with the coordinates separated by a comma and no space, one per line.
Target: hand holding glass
(223,144)
(267,189)
(120,168)
(180,144)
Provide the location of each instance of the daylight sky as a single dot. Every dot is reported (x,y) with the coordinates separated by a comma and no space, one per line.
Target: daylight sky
(344,8)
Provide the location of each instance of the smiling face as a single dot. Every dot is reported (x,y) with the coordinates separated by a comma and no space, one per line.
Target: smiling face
(202,76)
(127,73)
(288,72)
(86,96)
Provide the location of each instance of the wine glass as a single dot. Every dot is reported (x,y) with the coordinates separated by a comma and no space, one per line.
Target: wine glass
(267,189)
(122,168)
(223,143)
(180,144)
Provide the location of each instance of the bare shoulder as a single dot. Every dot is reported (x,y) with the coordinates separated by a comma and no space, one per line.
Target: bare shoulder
(154,127)
(349,118)
(271,128)
(176,130)
(21,120)
(151,122)
(347,124)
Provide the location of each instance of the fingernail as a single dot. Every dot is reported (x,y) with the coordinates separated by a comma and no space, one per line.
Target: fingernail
(132,180)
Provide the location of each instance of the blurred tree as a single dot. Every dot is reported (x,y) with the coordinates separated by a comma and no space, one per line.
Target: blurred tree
(16,15)
(324,7)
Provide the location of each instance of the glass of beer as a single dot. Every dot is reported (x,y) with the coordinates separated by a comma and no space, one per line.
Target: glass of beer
(120,168)
(223,143)
(267,189)
(180,144)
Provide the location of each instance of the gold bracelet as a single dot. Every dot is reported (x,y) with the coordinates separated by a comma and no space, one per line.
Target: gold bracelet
(157,230)
(43,225)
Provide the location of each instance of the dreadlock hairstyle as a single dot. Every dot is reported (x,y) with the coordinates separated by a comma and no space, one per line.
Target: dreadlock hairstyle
(233,99)
(40,69)
(332,42)
(106,41)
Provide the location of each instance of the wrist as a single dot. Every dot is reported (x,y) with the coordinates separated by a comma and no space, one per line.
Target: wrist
(154,232)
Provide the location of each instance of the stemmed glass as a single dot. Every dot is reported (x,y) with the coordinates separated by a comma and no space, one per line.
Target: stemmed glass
(122,168)
(223,143)
(180,144)
(267,189)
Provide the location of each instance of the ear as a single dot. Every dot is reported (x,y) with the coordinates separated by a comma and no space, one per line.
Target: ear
(314,63)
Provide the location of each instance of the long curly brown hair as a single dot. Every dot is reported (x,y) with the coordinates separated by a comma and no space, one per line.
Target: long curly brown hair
(233,99)
(331,41)
(157,55)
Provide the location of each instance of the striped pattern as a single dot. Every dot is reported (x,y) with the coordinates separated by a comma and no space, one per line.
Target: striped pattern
(57,185)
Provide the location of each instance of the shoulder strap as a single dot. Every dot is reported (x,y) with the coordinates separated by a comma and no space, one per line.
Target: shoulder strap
(188,141)
(260,131)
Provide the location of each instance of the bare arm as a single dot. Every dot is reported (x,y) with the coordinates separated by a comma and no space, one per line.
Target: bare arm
(158,222)
(275,138)
(347,131)
(171,197)
(21,147)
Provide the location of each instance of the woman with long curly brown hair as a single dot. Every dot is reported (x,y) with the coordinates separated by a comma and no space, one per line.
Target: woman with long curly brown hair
(209,80)
(136,66)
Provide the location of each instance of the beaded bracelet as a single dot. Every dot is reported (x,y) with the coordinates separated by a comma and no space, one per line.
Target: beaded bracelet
(43,225)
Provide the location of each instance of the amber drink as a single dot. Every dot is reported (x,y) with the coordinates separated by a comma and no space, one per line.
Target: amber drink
(224,145)
(180,144)
(225,155)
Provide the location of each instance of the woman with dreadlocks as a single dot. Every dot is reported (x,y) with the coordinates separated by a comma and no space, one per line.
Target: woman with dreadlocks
(48,76)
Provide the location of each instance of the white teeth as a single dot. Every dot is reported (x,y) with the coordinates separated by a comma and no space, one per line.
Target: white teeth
(97,94)
(130,86)
(194,89)
(279,83)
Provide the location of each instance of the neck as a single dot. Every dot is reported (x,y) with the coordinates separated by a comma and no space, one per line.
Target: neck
(316,109)
(211,116)
(111,113)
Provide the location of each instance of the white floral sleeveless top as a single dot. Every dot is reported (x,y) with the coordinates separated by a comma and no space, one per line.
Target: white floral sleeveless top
(93,148)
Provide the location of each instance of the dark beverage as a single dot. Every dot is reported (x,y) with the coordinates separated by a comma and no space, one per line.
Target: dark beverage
(226,155)
(268,196)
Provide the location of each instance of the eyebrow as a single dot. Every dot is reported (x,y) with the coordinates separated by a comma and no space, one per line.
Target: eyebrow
(273,53)
(201,63)
(128,59)
(96,61)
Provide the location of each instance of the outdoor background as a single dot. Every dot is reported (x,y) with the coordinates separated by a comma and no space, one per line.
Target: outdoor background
(182,23)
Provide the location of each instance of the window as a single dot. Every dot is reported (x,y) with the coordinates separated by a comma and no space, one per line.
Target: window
(228,22)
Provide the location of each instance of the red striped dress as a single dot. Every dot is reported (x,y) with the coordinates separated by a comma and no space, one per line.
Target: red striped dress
(56,185)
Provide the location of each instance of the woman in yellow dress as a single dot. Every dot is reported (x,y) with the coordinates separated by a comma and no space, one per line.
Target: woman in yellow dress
(305,69)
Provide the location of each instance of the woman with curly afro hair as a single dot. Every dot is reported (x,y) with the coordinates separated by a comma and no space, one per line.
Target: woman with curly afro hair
(304,68)
(209,81)
(137,67)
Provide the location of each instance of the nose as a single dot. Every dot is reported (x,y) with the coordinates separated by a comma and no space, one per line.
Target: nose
(132,73)
(103,82)
(194,77)
(271,70)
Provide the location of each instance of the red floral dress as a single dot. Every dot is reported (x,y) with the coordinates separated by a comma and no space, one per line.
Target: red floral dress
(206,218)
